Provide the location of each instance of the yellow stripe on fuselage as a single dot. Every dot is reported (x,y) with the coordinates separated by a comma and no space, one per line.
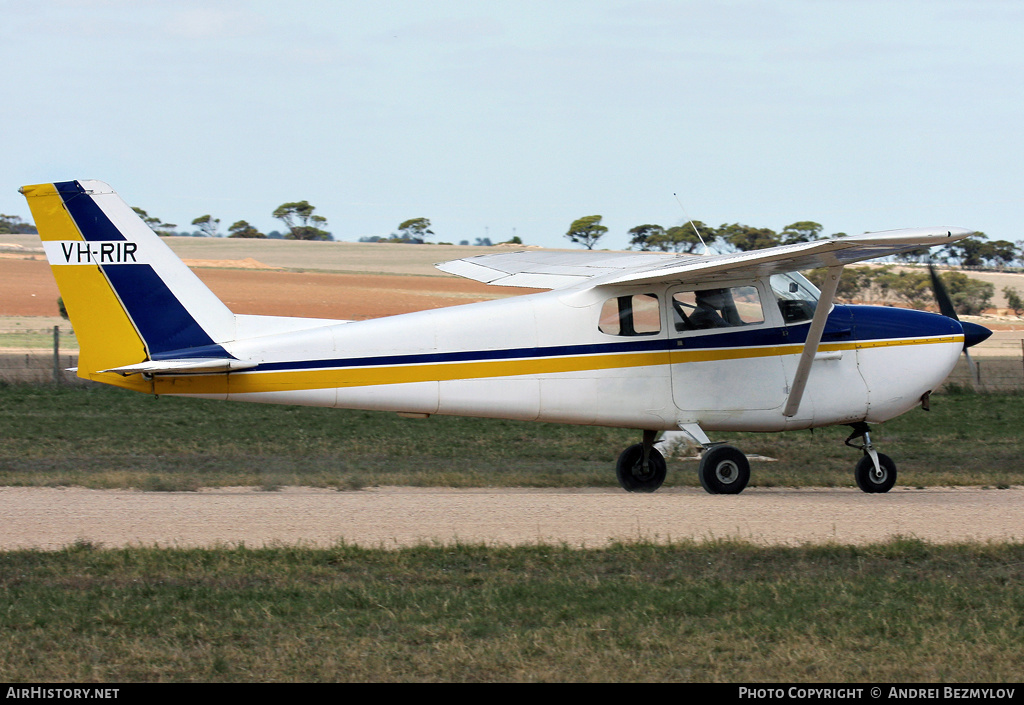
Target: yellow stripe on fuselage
(294,380)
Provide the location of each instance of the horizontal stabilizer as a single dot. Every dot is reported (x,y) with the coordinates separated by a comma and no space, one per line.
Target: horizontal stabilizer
(193,365)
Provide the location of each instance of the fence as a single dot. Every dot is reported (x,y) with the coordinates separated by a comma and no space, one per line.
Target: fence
(25,357)
(990,374)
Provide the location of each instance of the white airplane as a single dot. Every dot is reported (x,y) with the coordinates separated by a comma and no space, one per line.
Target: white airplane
(648,341)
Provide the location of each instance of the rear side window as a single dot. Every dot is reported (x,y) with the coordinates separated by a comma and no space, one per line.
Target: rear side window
(637,314)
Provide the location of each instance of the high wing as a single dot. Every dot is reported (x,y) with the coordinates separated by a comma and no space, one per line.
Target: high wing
(546,269)
(559,270)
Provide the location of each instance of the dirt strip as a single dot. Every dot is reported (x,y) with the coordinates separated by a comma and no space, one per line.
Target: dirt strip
(399,516)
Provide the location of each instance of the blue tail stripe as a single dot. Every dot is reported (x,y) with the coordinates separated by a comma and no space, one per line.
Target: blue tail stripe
(162,322)
(92,222)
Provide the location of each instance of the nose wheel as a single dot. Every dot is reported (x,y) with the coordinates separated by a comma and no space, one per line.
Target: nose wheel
(875,472)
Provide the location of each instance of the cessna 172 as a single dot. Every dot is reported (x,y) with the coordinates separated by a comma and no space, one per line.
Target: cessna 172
(648,341)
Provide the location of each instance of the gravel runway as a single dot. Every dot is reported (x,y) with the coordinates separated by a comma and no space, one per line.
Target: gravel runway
(391,517)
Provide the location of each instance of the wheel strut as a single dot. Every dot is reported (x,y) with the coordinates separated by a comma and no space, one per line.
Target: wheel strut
(860,430)
(876,472)
(648,446)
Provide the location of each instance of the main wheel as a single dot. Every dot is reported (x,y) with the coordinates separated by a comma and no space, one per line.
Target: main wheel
(869,480)
(724,470)
(631,473)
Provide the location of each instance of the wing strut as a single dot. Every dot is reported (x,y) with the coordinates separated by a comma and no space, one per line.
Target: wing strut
(803,370)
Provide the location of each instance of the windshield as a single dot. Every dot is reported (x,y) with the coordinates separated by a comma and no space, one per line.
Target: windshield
(797,297)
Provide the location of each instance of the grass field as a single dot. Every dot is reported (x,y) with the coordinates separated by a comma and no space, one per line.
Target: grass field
(102,437)
(899,612)
(903,611)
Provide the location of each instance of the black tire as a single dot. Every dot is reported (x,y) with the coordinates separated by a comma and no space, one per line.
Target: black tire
(629,469)
(866,478)
(724,470)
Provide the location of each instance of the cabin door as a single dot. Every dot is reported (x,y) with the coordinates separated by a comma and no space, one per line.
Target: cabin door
(726,349)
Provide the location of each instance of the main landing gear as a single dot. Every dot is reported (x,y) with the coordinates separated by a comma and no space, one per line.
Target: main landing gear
(641,467)
(875,472)
(723,469)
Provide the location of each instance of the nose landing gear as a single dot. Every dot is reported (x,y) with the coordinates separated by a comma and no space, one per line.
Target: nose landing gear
(875,472)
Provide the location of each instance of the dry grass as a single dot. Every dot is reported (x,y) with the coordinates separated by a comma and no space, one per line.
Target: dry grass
(899,612)
(104,437)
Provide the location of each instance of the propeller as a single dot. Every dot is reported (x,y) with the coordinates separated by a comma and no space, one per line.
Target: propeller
(973,333)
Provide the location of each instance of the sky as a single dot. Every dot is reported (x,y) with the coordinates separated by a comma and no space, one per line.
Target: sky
(495,119)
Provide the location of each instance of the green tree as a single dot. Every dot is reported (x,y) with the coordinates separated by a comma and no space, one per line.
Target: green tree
(415,230)
(803,231)
(1014,301)
(969,252)
(911,288)
(586,231)
(301,222)
(243,229)
(999,253)
(684,238)
(160,228)
(970,296)
(642,235)
(921,254)
(207,225)
(854,282)
(746,238)
(12,224)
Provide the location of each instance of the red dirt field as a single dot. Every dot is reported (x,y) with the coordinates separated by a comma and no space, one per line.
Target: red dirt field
(27,288)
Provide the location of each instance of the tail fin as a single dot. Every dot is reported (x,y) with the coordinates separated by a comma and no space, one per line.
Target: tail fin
(130,299)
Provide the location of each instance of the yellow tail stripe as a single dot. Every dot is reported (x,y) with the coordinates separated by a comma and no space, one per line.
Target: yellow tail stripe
(105,333)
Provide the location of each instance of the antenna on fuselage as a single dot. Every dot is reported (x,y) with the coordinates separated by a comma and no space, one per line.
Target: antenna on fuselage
(707,250)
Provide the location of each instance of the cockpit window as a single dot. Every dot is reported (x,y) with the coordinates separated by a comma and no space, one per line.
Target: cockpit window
(637,314)
(717,308)
(797,297)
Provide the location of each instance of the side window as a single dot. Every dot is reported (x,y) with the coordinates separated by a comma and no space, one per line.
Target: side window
(706,309)
(637,314)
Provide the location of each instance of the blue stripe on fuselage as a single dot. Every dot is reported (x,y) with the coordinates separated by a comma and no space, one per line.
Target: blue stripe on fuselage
(883,323)
(845,324)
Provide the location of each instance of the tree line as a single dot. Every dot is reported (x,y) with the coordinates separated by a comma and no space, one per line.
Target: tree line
(13,225)
(299,219)
(976,251)
(303,223)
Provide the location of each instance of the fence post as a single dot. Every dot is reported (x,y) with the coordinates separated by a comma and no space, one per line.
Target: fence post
(56,355)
